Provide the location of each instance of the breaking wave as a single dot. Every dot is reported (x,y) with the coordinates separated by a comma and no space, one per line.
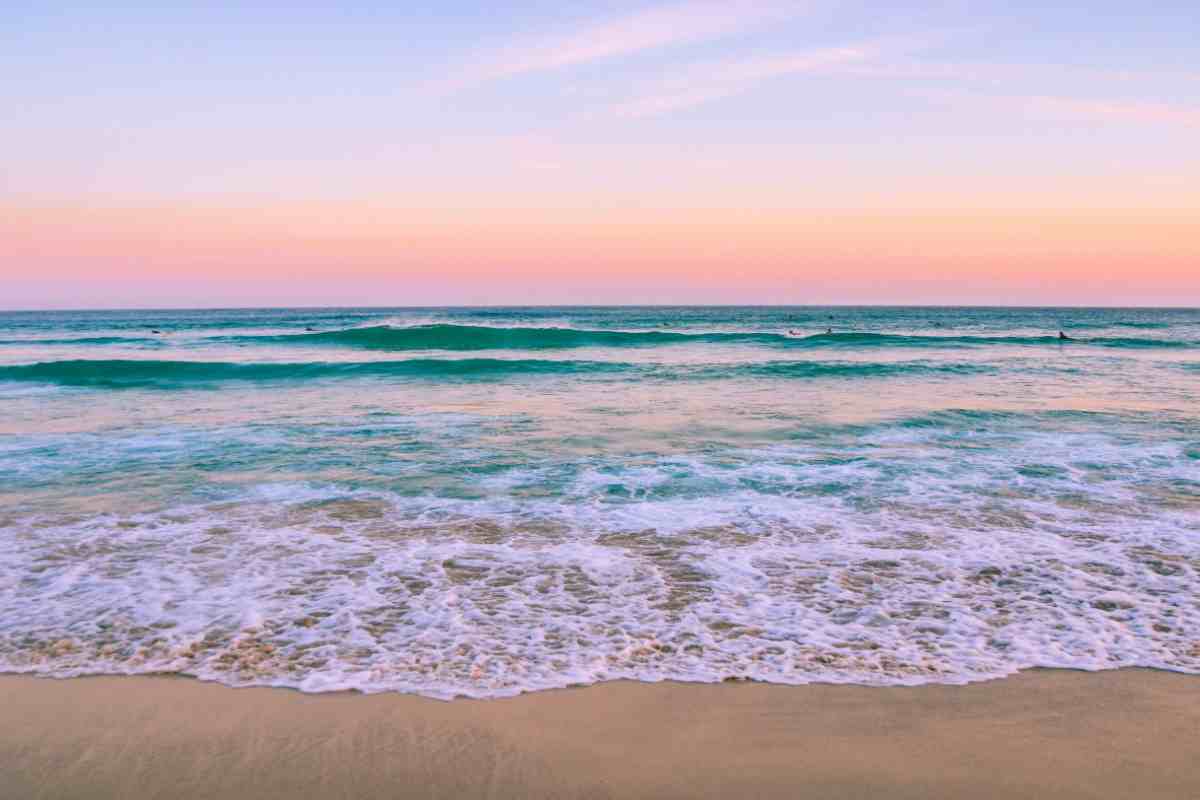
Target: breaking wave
(482,337)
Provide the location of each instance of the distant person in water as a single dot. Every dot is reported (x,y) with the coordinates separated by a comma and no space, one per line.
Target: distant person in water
(829,330)
(309,328)
(1062,337)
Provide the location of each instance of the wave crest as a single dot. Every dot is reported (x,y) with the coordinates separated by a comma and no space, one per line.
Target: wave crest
(130,373)
(482,337)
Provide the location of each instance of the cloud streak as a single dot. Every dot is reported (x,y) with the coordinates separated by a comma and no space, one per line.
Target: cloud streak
(985,86)
(717,81)
(1057,107)
(655,28)
(1119,111)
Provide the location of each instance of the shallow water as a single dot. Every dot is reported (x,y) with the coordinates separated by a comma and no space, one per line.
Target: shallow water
(485,501)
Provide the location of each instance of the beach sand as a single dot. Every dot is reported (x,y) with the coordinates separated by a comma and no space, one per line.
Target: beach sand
(1044,733)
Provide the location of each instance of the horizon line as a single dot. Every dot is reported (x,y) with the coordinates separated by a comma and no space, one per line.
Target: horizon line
(595,305)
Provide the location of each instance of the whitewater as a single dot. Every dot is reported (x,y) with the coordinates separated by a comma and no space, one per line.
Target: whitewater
(485,501)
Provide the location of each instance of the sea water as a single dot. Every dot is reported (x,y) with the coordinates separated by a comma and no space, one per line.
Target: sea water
(485,501)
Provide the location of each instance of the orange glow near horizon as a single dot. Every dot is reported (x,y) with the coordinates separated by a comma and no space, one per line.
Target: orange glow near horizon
(972,253)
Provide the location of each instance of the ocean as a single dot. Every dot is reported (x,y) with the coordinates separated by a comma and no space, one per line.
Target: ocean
(485,501)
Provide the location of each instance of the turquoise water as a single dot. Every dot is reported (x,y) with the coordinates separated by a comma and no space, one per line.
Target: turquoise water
(486,501)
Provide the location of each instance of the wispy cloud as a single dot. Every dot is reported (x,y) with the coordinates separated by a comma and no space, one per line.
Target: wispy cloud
(1042,106)
(704,84)
(1117,111)
(983,72)
(982,85)
(658,27)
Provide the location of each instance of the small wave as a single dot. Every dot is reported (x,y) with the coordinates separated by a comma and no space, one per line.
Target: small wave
(903,340)
(838,369)
(129,373)
(83,340)
(1118,324)
(482,337)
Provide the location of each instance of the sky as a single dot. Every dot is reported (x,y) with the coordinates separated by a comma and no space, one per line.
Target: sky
(745,151)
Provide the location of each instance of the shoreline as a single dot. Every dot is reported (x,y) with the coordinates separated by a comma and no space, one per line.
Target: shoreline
(1053,733)
(190,677)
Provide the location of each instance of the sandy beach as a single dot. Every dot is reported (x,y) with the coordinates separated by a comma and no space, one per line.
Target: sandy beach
(1062,734)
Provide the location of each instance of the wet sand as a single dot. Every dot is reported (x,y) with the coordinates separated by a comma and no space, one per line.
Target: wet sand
(1060,734)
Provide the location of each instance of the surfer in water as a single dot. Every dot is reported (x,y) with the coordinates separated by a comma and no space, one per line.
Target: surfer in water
(1062,337)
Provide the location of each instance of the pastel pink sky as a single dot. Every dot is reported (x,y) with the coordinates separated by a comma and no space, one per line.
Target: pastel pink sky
(692,152)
